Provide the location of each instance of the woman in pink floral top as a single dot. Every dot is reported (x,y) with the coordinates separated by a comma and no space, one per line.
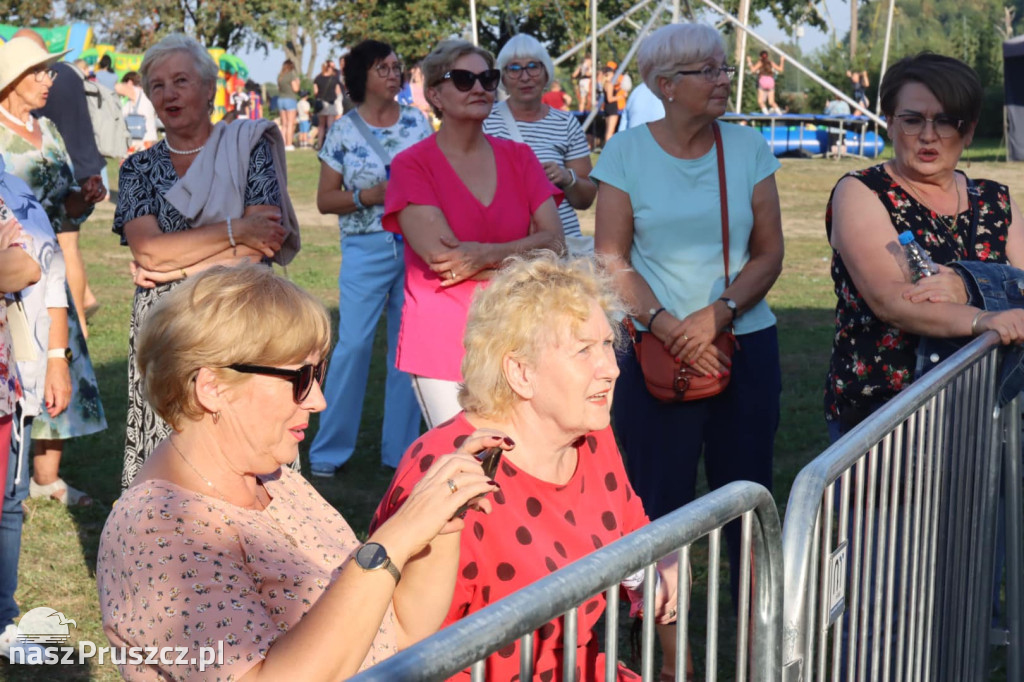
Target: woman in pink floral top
(217,544)
(932,103)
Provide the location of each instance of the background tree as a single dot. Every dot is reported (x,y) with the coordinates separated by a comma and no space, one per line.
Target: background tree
(26,12)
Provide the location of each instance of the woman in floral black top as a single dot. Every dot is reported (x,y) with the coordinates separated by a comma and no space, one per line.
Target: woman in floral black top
(933,103)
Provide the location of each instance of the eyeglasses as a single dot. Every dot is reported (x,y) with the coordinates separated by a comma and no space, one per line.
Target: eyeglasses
(385,70)
(944,126)
(463,80)
(301,379)
(42,73)
(710,73)
(531,69)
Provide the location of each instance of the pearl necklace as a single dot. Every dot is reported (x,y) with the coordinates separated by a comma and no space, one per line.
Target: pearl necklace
(27,125)
(183,152)
(273,525)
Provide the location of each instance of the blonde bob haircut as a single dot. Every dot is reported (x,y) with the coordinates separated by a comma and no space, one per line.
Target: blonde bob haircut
(528,301)
(223,316)
(441,59)
(672,47)
(523,46)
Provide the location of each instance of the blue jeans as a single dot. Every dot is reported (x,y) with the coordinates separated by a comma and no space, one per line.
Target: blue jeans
(10,524)
(662,442)
(372,277)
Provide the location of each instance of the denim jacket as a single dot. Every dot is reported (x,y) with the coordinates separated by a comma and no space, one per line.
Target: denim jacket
(993,287)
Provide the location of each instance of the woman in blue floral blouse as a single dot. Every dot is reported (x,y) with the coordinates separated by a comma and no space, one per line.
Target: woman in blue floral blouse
(932,104)
(353,179)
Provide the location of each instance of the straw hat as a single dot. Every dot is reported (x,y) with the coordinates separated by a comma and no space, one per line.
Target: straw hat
(18,55)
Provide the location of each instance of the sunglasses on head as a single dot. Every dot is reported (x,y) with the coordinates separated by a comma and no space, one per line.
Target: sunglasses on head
(301,379)
(463,80)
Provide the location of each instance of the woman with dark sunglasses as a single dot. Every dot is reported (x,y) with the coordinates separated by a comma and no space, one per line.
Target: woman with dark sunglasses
(464,202)
(222,541)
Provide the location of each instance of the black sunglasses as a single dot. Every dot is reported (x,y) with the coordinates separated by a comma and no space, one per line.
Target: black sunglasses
(301,379)
(463,80)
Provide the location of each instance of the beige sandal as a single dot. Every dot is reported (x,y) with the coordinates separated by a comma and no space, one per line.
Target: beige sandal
(61,492)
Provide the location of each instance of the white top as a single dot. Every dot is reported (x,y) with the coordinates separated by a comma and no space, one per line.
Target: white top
(144,107)
(557,137)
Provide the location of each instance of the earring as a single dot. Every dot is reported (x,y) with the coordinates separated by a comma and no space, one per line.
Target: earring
(671,99)
(216,417)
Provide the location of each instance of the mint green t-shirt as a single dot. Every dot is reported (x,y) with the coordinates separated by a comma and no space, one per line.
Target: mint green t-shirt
(677,216)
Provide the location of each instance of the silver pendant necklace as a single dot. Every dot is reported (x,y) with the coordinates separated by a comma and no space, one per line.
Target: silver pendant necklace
(950,223)
(273,525)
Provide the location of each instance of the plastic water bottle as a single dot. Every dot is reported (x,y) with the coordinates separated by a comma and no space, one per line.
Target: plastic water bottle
(921,264)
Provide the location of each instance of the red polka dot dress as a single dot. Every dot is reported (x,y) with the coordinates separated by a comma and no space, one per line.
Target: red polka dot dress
(535,528)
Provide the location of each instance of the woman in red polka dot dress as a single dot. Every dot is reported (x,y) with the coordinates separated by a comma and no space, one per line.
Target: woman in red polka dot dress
(539,369)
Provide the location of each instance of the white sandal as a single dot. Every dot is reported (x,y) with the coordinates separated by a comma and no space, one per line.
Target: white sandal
(61,492)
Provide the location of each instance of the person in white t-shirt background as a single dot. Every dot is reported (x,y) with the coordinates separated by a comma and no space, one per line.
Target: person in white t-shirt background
(137,104)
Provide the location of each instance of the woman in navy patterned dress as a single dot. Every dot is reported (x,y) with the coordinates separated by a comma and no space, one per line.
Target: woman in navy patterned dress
(180,79)
(933,103)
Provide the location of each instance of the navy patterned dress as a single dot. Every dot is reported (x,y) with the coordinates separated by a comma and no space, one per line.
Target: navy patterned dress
(872,361)
(145,178)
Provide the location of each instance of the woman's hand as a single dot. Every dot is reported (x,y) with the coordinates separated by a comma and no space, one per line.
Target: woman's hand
(374,196)
(1009,324)
(461,260)
(451,481)
(10,234)
(93,190)
(57,386)
(691,339)
(260,228)
(557,175)
(945,287)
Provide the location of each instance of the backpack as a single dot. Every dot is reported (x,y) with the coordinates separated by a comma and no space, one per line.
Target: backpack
(108,124)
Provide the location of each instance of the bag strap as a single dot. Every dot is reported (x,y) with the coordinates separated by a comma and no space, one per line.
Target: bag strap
(723,197)
(370,138)
(510,121)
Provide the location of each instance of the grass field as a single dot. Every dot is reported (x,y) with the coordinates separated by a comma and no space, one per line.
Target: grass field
(59,551)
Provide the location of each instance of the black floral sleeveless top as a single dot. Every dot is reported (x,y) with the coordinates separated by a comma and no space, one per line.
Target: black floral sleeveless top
(872,361)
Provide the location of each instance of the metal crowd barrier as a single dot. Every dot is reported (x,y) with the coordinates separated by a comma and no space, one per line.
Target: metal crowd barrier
(758,650)
(898,585)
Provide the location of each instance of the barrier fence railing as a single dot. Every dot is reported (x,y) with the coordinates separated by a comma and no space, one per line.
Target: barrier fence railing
(469,641)
(890,536)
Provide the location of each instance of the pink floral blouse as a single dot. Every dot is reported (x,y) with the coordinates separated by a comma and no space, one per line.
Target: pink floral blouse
(179,568)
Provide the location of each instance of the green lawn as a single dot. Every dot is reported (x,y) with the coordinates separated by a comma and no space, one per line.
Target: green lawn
(59,552)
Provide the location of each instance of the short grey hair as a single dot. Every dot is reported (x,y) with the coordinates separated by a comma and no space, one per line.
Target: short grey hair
(523,46)
(202,62)
(668,49)
(440,60)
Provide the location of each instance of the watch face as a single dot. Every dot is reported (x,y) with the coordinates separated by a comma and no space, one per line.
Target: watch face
(371,556)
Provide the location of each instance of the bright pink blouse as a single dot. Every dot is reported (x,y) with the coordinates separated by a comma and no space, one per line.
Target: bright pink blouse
(433,317)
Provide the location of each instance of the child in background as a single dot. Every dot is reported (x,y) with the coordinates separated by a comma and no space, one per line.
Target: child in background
(304,108)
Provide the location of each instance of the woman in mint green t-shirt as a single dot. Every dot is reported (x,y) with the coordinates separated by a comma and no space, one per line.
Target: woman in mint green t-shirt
(659,221)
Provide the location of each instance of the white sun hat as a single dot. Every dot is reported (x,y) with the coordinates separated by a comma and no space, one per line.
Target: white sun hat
(18,55)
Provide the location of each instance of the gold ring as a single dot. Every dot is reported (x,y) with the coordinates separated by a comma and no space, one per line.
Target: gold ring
(685,337)
(451,274)
(451,486)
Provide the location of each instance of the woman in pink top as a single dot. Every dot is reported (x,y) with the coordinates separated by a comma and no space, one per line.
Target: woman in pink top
(464,202)
(217,544)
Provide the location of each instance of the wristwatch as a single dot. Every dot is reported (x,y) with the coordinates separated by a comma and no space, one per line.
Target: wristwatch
(373,557)
(731,305)
(59,353)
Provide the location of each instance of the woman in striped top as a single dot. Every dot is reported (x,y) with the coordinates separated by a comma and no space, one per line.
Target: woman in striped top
(554,136)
